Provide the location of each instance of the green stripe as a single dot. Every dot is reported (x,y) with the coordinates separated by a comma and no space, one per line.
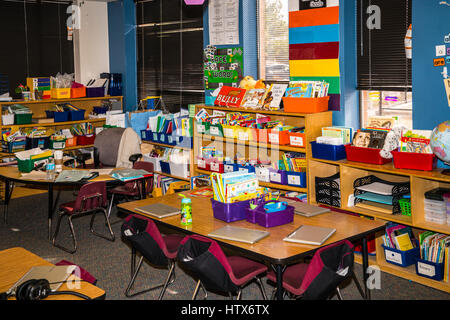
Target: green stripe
(335,87)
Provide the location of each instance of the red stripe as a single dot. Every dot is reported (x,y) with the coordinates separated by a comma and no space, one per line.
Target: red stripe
(310,51)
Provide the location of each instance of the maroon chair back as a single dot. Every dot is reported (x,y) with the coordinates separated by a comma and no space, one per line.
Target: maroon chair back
(205,258)
(91,196)
(147,166)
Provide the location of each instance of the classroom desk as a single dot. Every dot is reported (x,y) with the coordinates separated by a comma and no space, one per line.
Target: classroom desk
(12,174)
(17,261)
(271,249)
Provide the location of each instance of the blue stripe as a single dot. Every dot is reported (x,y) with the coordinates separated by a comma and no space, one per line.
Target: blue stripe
(314,34)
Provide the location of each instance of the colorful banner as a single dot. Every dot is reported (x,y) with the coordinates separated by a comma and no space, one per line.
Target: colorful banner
(314,44)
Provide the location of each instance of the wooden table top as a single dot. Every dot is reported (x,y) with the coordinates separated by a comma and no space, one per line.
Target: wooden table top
(15,262)
(271,248)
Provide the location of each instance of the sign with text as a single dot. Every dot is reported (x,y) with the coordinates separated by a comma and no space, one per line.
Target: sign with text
(222,67)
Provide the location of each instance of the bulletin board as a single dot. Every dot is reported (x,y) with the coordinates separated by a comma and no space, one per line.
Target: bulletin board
(223,66)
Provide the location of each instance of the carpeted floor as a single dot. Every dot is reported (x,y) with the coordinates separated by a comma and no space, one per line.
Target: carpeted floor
(109,261)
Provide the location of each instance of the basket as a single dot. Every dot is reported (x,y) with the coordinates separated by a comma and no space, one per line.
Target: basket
(328,190)
(216,166)
(38,142)
(405,206)
(7,119)
(277,176)
(179,169)
(76,115)
(71,142)
(93,92)
(13,146)
(296,179)
(61,116)
(365,155)
(305,105)
(86,140)
(29,164)
(414,161)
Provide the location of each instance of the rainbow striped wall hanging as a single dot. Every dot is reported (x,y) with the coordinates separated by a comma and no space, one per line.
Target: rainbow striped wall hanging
(314,44)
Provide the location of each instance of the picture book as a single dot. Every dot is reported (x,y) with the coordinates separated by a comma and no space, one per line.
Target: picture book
(377,138)
(230,97)
(343,133)
(403,242)
(301,91)
(381,122)
(417,141)
(254,98)
(274,96)
(361,139)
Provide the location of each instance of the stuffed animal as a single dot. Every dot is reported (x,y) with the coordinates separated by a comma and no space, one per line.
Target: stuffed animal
(392,142)
(248,82)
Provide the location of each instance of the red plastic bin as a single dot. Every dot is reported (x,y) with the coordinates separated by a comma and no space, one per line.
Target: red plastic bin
(216,166)
(278,137)
(414,161)
(85,140)
(297,139)
(365,155)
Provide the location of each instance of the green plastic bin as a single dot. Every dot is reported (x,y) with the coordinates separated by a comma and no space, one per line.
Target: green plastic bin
(23,118)
(29,164)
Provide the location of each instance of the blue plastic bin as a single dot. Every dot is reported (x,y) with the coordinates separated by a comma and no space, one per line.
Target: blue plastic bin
(230,167)
(165,167)
(430,270)
(277,176)
(76,115)
(247,169)
(296,179)
(401,258)
(100,110)
(328,151)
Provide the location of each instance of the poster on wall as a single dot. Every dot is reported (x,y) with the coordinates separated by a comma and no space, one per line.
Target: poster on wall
(223,22)
(222,66)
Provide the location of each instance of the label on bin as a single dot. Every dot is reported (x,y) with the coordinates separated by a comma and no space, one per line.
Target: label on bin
(297,141)
(201,163)
(201,128)
(243,135)
(274,138)
(214,130)
(426,269)
(292,179)
(276,177)
(228,168)
(227,132)
(393,256)
(214,166)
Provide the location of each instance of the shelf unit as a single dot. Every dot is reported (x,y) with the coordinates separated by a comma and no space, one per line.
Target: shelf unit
(313,123)
(420,181)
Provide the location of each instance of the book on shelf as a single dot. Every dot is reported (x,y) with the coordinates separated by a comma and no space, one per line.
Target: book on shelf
(417,141)
(344,133)
(274,95)
(403,242)
(254,98)
(361,139)
(377,138)
(230,97)
(381,122)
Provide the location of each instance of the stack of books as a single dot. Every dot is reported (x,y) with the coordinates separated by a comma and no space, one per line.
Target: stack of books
(232,187)
(307,89)
(399,237)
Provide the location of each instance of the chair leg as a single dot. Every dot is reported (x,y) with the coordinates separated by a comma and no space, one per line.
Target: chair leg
(166,283)
(261,287)
(72,233)
(111,204)
(239,295)
(358,286)
(112,238)
(338,293)
(196,289)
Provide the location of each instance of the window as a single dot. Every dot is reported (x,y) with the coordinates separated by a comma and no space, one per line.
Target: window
(170,51)
(273,40)
(384,71)
(34,35)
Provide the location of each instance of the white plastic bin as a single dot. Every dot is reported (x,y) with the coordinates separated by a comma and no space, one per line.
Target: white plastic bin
(179,169)
(155,161)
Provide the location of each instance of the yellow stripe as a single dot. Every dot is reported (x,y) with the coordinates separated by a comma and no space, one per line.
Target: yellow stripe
(314,68)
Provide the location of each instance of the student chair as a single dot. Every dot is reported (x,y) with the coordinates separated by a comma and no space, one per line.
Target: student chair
(204,258)
(91,199)
(133,189)
(159,250)
(319,279)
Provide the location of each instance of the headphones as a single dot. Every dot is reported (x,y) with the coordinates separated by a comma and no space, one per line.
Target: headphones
(38,289)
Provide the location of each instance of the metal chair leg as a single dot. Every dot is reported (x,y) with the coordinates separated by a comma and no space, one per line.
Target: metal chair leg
(194,295)
(239,295)
(358,286)
(338,293)
(261,287)
(112,238)
(111,204)
(166,283)
(72,233)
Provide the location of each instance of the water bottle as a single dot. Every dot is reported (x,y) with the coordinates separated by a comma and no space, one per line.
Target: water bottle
(50,169)
(186,211)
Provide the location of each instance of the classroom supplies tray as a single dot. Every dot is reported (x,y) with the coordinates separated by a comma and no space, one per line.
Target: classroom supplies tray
(414,161)
(230,212)
(394,188)
(328,190)
(365,155)
(269,220)
(328,151)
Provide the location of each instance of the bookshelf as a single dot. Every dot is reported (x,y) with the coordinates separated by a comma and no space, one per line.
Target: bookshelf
(313,123)
(420,182)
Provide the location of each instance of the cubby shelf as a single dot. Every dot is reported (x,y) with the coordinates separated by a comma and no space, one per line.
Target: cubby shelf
(420,182)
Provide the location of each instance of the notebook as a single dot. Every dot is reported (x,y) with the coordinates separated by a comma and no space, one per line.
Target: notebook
(310,235)
(159,210)
(307,210)
(55,275)
(239,234)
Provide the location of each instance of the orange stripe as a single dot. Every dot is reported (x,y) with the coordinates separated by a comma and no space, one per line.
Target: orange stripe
(314,17)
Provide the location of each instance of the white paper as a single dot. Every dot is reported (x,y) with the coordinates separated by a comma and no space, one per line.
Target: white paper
(223,22)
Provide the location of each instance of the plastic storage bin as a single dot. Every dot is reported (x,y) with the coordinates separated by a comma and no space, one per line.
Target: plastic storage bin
(13,146)
(305,105)
(94,92)
(71,142)
(23,118)
(405,207)
(273,219)
(165,167)
(76,115)
(229,131)
(203,163)
(154,160)
(297,139)
(246,169)
(296,179)
(230,212)
(230,167)
(328,151)
(86,140)
(78,92)
(38,142)
(365,155)
(278,176)
(278,137)
(243,133)
(60,93)
(263,174)
(57,144)
(430,270)
(61,116)
(7,119)
(216,166)
(328,190)
(415,161)
(401,258)
(100,110)
(179,169)
(29,164)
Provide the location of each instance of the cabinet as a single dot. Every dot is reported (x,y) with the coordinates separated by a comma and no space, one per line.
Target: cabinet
(254,148)
(420,182)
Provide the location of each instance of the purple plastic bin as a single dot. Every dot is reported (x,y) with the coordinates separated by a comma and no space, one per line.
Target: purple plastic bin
(278,176)
(230,212)
(273,219)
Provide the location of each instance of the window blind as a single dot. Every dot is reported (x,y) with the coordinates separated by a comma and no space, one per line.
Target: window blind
(170,52)
(34,40)
(382,62)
